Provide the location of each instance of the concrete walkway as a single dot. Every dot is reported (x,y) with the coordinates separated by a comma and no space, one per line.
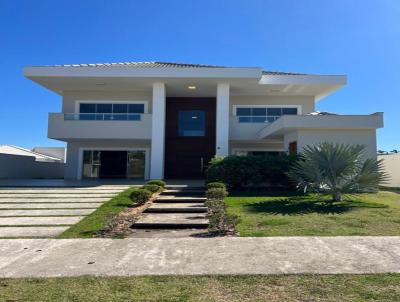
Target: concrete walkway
(198,256)
(47,212)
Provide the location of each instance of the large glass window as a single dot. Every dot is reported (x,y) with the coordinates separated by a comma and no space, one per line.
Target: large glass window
(191,123)
(263,114)
(91,164)
(136,164)
(107,111)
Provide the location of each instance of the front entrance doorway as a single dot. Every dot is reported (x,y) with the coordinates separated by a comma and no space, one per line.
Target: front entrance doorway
(113,164)
(189,137)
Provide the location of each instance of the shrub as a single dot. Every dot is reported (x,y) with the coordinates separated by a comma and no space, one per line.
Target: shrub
(152,188)
(219,220)
(212,185)
(251,171)
(216,193)
(337,169)
(157,182)
(141,196)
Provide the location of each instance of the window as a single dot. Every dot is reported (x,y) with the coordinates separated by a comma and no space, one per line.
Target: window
(95,163)
(263,114)
(91,164)
(110,111)
(191,123)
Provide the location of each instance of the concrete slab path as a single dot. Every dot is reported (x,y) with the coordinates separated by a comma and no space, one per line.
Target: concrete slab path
(32,231)
(39,211)
(45,212)
(198,256)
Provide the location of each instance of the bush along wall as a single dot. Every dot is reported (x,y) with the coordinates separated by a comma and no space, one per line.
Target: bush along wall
(219,221)
(251,171)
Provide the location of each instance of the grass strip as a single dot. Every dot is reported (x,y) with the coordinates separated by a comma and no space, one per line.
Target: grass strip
(92,224)
(333,288)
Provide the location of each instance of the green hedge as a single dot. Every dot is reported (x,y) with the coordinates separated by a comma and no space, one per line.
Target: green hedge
(246,171)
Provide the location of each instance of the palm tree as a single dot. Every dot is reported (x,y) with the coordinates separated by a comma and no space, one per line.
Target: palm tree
(336,169)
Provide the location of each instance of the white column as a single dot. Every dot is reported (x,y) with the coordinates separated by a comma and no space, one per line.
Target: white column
(158,132)
(222,133)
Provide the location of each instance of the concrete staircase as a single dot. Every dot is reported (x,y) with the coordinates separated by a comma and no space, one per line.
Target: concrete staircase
(177,208)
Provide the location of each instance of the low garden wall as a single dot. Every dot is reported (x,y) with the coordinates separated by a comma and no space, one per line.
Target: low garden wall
(17,166)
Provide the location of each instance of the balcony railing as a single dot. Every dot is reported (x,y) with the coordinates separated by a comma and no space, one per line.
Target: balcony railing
(102,117)
(257,118)
(75,126)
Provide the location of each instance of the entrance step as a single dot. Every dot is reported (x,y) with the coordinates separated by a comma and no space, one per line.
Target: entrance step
(172,221)
(172,199)
(177,208)
(185,192)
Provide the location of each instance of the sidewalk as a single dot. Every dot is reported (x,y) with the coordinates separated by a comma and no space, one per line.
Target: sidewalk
(198,256)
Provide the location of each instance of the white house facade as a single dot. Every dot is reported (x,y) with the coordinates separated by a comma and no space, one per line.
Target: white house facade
(167,120)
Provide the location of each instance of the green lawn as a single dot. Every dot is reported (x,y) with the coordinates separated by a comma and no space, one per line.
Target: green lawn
(91,225)
(285,214)
(384,287)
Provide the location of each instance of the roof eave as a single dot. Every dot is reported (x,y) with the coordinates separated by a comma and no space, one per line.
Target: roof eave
(227,73)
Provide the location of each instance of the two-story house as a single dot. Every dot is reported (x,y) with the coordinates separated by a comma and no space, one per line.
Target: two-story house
(166,120)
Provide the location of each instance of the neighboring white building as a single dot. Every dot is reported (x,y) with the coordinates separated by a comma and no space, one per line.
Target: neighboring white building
(391,165)
(18,162)
(45,157)
(167,120)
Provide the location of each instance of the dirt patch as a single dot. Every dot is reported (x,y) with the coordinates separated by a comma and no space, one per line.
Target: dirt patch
(119,226)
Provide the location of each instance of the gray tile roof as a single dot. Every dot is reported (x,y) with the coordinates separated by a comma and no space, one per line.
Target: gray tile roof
(167,65)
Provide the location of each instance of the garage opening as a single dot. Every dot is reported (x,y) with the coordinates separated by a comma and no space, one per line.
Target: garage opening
(113,164)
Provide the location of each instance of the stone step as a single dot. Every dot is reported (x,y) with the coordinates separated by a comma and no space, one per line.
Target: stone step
(61,205)
(183,187)
(53,200)
(173,199)
(47,231)
(176,208)
(45,212)
(172,221)
(183,192)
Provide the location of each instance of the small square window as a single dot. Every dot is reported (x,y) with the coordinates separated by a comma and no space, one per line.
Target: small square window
(243,111)
(104,108)
(274,111)
(259,111)
(192,123)
(87,108)
(120,108)
(136,108)
(291,111)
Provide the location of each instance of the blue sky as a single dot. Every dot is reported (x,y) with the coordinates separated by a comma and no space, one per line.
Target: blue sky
(359,38)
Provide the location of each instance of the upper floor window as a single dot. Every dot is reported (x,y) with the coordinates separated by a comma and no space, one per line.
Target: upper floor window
(191,123)
(110,111)
(263,114)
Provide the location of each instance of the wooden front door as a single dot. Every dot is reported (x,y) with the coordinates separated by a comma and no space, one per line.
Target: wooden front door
(189,136)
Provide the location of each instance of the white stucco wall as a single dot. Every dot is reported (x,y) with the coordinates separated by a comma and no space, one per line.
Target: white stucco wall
(74,153)
(255,146)
(391,163)
(311,137)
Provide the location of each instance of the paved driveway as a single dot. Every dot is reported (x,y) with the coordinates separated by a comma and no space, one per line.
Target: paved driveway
(198,256)
(47,212)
